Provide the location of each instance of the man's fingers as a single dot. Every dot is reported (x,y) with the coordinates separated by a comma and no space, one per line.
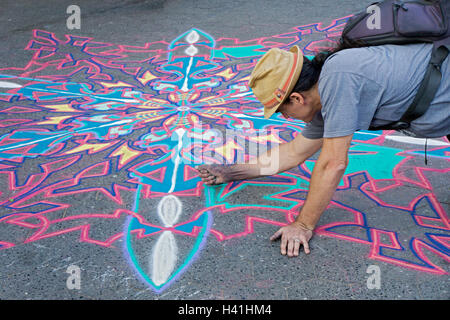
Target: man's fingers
(276,235)
(290,250)
(200,168)
(212,180)
(306,246)
(291,241)
(211,177)
(283,245)
(204,179)
(296,247)
(203,170)
(208,177)
(205,173)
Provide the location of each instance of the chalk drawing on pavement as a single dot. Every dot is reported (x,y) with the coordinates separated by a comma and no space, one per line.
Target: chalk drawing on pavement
(126,125)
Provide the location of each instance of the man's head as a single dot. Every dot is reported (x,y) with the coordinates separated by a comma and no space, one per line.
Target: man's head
(302,105)
(283,81)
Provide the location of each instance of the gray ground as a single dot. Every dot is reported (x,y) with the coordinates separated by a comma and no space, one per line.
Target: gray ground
(241,268)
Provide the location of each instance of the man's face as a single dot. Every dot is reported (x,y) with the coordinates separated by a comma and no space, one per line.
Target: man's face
(300,106)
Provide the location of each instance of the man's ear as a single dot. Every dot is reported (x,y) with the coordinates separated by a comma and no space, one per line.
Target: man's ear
(297,98)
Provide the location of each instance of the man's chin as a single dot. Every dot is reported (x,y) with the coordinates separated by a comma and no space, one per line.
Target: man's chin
(307,120)
(297,118)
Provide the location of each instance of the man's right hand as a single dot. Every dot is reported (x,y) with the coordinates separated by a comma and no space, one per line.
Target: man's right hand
(214,173)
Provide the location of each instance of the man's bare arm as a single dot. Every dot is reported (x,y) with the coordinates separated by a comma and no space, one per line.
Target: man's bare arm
(326,175)
(278,159)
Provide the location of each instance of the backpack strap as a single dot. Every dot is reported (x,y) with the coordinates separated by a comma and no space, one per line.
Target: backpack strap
(426,92)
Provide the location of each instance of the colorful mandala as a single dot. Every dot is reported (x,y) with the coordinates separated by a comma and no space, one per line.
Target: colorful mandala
(125,126)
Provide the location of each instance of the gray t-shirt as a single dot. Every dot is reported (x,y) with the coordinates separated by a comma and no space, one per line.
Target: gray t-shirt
(375,85)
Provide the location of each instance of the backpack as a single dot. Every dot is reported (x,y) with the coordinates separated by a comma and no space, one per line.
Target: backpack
(404,22)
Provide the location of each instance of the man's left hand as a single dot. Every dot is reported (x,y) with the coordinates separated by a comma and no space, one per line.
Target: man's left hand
(292,236)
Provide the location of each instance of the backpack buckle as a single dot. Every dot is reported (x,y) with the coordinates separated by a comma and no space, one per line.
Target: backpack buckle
(400,125)
(401,5)
(437,66)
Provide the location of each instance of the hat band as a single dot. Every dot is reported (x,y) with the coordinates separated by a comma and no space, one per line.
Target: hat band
(280,93)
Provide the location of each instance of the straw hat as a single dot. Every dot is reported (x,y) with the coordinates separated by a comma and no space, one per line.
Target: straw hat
(275,76)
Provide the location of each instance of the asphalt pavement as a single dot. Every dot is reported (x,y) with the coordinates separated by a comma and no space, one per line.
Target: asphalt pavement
(98,195)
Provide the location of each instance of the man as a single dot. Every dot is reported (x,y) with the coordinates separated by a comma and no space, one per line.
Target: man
(336,94)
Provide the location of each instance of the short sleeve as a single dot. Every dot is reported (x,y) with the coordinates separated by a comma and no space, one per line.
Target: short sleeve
(348,103)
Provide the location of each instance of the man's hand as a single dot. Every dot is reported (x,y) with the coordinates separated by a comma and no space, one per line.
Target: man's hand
(214,174)
(292,236)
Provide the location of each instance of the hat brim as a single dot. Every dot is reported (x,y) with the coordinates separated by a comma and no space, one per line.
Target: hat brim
(268,112)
